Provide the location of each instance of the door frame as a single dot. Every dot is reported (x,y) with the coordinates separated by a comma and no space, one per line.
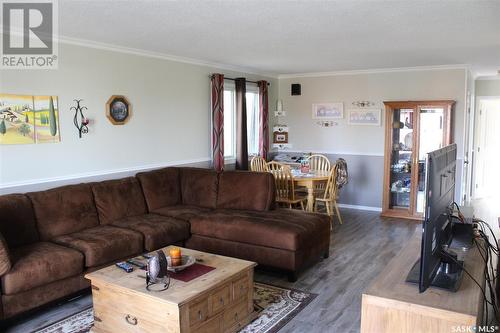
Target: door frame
(475,142)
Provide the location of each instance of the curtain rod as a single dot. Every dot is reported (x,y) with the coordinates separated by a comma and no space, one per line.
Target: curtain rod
(228,78)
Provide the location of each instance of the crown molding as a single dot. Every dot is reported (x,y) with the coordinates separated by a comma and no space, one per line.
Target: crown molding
(162,56)
(374,71)
(488,78)
(242,69)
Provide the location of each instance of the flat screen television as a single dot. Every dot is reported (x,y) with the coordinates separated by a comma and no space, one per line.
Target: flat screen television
(438,265)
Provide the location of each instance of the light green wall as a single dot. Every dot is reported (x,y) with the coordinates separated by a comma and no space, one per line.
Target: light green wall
(488,88)
(170,119)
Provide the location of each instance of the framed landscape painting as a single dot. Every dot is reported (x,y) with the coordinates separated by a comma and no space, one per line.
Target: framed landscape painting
(27,119)
(328,111)
(369,117)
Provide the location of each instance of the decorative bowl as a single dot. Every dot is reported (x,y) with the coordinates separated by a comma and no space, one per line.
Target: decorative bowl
(186,262)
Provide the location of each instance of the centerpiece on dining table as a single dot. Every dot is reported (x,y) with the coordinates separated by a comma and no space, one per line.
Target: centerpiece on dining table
(305,167)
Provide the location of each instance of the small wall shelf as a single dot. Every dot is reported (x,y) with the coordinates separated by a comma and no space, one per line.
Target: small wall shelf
(282,146)
(280,128)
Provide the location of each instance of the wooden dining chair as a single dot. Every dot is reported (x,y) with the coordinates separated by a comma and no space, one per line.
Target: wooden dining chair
(329,198)
(319,162)
(285,189)
(258,164)
(273,166)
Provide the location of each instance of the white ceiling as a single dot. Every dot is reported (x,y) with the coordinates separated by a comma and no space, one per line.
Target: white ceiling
(286,37)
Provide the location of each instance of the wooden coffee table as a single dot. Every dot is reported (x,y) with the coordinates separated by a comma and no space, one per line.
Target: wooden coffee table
(218,301)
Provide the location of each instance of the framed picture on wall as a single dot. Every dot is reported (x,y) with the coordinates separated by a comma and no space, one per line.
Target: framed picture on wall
(29,119)
(118,109)
(368,117)
(280,137)
(328,111)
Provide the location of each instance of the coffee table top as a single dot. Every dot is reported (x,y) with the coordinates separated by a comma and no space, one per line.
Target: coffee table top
(179,292)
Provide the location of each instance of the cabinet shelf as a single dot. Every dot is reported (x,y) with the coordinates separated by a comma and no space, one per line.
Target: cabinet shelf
(430,129)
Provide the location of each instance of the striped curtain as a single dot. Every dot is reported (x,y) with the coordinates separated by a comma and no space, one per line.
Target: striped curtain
(264,119)
(218,121)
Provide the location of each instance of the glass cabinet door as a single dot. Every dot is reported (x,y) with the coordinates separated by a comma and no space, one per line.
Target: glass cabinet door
(431,137)
(402,151)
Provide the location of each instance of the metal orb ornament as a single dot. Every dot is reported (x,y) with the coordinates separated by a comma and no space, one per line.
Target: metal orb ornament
(157,273)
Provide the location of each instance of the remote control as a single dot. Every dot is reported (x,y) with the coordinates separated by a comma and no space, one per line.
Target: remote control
(126,267)
(136,263)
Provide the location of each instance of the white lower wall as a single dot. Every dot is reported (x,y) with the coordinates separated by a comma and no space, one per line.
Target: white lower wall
(170,120)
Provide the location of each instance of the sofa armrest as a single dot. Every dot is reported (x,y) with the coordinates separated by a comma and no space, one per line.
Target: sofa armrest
(5,263)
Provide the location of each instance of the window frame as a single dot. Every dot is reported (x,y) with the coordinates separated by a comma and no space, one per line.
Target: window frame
(230,157)
(253,88)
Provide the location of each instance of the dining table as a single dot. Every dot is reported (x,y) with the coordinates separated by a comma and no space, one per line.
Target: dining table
(309,180)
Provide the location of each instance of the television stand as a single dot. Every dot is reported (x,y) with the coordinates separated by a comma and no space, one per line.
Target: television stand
(448,275)
(391,304)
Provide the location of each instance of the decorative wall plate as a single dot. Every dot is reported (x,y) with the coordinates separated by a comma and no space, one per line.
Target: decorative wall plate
(118,109)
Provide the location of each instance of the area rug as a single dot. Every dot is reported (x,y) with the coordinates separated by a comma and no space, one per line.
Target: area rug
(275,306)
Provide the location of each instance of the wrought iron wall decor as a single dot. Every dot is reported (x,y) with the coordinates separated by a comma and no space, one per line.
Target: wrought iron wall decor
(363,104)
(327,123)
(79,119)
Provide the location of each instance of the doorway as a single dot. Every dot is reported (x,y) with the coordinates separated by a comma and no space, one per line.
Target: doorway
(486,171)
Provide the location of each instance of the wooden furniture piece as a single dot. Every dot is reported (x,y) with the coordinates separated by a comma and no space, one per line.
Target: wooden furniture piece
(258,164)
(309,181)
(412,129)
(319,162)
(393,305)
(218,301)
(273,166)
(285,189)
(329,198)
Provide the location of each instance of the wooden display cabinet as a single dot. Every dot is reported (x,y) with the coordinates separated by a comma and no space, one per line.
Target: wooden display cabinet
(412,129)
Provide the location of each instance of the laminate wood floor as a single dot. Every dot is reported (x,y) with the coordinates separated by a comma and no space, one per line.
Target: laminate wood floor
(360,249)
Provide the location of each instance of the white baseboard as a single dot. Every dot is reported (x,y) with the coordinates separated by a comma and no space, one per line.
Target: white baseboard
(358,207)
(47,183)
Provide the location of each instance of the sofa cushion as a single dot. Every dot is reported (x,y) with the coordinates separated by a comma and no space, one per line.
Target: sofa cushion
(158,231)
(246,190)
(33,298)
(161,187)
(199,187)
(281,232)
(118,198)
(103,244)
(40,263)
(183,212)
(64,210)
(17,220)
(5,263)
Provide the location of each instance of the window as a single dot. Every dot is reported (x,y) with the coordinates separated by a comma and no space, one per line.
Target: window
(252,100)
(229,122)
(252,97)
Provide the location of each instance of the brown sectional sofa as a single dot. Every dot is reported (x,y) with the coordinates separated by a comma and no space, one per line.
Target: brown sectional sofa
(50,239)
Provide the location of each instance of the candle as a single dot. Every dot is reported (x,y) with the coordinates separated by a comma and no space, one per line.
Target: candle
(175,256)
